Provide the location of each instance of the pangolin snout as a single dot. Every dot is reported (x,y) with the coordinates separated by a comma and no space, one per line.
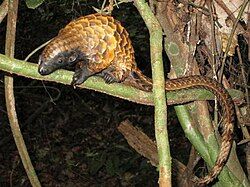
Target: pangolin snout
(43,71)
(43,68)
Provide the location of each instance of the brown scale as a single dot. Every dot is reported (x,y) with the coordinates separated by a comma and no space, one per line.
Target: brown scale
(98,44)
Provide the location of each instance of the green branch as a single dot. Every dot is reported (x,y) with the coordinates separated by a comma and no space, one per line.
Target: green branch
(29,70)
(161,133)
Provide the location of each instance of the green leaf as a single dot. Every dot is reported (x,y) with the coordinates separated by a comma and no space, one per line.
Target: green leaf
(112,165)
(34,3)
(95,166)
(97,162)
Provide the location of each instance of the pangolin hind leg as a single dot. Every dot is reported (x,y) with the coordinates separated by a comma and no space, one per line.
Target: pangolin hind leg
(109,75)
(114,74)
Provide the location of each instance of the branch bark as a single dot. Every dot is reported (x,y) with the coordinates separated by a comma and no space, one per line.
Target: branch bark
(147,148)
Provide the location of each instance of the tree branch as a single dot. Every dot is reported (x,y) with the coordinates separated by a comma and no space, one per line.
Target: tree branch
(29,70)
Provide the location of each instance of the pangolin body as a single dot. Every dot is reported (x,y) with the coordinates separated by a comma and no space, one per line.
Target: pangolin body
(98,44)
(102,41)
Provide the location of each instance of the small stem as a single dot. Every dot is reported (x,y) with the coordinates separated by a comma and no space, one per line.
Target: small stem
(243,77)
(214,57)
(4,9)
(35,50)
(10,98)
(243,7)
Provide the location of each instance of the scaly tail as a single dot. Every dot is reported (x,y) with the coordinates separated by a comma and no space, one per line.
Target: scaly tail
(140,81)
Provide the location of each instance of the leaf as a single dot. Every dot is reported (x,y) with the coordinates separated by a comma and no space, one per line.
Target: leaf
(112,165)
(34,3)
(97,162)
(95,166)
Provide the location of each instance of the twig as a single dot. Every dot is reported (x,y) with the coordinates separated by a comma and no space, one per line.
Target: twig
(192,161)
(248,159)
(243,77)
(214,56)
(10,98)
(37,49)
(244,5)
(108,9)
(227,10)
(4,9)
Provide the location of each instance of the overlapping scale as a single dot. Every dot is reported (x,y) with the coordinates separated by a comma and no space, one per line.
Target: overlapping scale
(101,38)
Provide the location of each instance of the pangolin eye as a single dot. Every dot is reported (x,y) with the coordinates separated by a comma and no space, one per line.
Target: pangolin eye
(72,58)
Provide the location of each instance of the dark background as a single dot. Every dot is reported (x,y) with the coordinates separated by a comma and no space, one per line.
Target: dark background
(73,140)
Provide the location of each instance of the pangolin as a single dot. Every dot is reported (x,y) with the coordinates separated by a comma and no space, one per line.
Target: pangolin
(99,45)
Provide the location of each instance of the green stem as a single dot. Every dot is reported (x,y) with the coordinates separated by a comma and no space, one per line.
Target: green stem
(161,133)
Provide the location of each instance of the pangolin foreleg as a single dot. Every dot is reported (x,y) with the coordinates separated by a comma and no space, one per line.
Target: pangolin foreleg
(82,73)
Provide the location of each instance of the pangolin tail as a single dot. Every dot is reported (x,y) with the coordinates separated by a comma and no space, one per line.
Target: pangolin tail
(140,81)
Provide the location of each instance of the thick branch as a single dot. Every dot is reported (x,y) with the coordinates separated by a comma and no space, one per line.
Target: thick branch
(29,70)
(160,115)
(147,148)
